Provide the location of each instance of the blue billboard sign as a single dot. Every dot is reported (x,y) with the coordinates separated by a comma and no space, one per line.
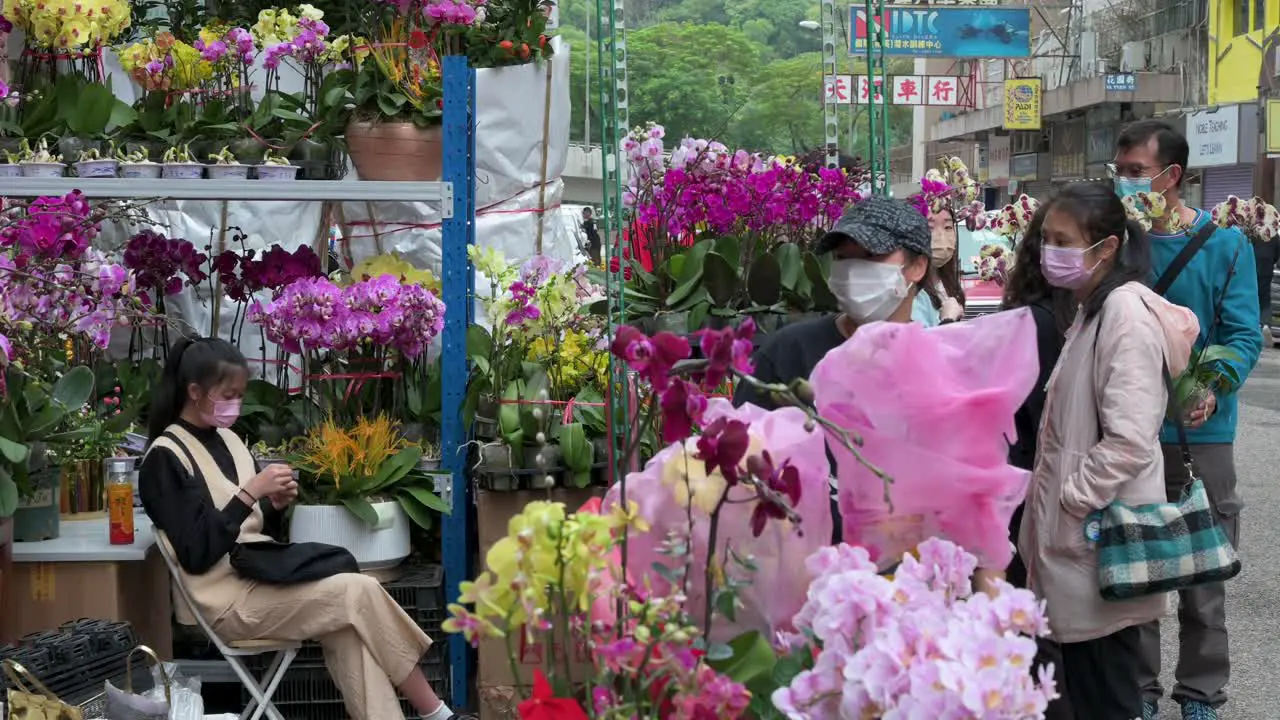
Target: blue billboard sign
(924,31)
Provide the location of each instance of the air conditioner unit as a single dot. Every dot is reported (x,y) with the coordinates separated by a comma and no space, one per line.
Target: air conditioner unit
(1133,56)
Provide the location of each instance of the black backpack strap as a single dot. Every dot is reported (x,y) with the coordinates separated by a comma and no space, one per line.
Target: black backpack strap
(1188,251)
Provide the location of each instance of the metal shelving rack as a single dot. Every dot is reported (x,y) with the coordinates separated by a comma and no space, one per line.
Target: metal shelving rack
(455,198)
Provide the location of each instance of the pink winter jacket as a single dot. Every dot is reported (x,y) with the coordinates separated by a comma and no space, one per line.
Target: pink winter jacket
(1109,369)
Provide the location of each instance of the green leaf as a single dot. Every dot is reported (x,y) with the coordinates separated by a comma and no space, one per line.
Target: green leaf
(509,411)
(535,392)
(73,389)
(362,509)
(418,514)
(581,478)
(428,499)
(791,265)
(579,454)
(748,659)
(718,652)
(685,290)
(823,299)
(8,494)
(698,316)
(586,409)
(720,279)
(764,283)
(730,249)
(396,467)
(727,604)
(479,342)
(13,452)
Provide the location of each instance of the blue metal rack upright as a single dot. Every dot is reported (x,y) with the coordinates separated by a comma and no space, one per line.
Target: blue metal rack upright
(458,234)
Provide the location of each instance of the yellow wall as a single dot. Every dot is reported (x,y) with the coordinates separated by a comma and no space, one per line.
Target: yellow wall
(1234,77)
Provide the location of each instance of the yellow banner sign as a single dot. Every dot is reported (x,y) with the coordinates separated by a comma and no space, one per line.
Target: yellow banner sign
(1022,104)
(1273,126)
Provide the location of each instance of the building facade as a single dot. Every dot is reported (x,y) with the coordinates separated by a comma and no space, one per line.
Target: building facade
(1102,64)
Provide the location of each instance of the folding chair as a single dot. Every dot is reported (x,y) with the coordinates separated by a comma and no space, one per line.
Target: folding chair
(234,652)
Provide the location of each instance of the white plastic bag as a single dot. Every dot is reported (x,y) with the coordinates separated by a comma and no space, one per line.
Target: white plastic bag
(185,700)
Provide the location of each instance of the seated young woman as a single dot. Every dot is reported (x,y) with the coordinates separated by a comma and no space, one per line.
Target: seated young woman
(201,488)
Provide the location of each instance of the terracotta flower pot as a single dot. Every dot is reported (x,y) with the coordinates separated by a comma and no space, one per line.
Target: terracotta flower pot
(395,150)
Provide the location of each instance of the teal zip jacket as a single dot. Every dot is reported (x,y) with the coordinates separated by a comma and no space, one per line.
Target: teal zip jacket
(1200,288)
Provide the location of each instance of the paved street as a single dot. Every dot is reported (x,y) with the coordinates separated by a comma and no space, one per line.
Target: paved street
(1253,602)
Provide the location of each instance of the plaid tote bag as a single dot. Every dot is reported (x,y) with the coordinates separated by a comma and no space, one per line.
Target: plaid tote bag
(1161,547)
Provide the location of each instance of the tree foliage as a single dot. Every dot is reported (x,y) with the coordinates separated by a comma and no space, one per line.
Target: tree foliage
(740,71)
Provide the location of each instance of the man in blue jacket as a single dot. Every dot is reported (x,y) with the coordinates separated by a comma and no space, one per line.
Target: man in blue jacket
(1218,280)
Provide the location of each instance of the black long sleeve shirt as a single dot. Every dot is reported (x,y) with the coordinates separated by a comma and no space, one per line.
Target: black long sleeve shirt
(179,503)
(1026,421)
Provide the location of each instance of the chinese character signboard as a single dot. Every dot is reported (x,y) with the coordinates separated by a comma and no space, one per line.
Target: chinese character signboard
(1214,137)
(1068,145)
(960,32)
(1120,82)
(1024,167)
(936,90)
(839,89)
(1022,104)
(933,90)
(998,154)
(864,89)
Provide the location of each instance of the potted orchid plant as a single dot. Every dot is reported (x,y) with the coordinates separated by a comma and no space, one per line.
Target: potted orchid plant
(179,164)
(703,585)
(277,167)
(137,164)
(41,162)
(226,166)
(747,252)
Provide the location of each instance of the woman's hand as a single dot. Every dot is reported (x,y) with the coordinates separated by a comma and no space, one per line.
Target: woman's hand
(286,495)
(270,482)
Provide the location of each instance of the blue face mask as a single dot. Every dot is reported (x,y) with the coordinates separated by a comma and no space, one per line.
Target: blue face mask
(1126,186)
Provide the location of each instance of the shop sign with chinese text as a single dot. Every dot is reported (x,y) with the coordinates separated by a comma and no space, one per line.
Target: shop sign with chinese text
(934,90)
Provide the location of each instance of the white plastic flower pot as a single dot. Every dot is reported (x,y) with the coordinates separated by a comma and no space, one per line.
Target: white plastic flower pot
(42,169)
(376,547)
(97,168)
(140,170)
(10,171)
(229,172)
(183,171)
(278,172)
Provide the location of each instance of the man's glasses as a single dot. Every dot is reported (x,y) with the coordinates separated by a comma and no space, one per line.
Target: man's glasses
(1134,171)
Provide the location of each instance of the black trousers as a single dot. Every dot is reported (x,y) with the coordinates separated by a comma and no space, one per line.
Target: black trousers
(1101,676)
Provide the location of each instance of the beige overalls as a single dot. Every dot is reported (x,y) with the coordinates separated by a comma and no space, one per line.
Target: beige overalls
(370,644)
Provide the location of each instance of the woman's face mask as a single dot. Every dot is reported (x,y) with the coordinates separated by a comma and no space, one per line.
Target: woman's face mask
(868,291)
(1066,267)
(220,413)
(943,232)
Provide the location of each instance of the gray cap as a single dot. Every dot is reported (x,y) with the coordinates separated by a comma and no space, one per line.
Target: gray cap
(880,225)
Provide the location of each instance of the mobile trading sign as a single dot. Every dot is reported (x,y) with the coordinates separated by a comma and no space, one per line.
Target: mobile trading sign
(958,32)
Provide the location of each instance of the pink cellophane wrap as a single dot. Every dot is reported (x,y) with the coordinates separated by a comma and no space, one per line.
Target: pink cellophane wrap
(934,408)
(777,590)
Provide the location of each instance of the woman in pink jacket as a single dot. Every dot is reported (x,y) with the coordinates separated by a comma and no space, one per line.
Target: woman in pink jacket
(1099,440)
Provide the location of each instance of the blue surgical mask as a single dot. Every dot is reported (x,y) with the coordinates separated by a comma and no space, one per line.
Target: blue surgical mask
(1126,186)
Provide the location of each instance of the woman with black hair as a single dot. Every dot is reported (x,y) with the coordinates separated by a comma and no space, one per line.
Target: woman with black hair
(941,299)
(1099,439)
(1053,310)
(204,494)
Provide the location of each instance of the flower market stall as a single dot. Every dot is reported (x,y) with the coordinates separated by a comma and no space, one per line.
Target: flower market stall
(226,283)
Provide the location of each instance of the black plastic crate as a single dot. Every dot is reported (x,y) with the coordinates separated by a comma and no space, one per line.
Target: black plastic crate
(308,693)
(106,637)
